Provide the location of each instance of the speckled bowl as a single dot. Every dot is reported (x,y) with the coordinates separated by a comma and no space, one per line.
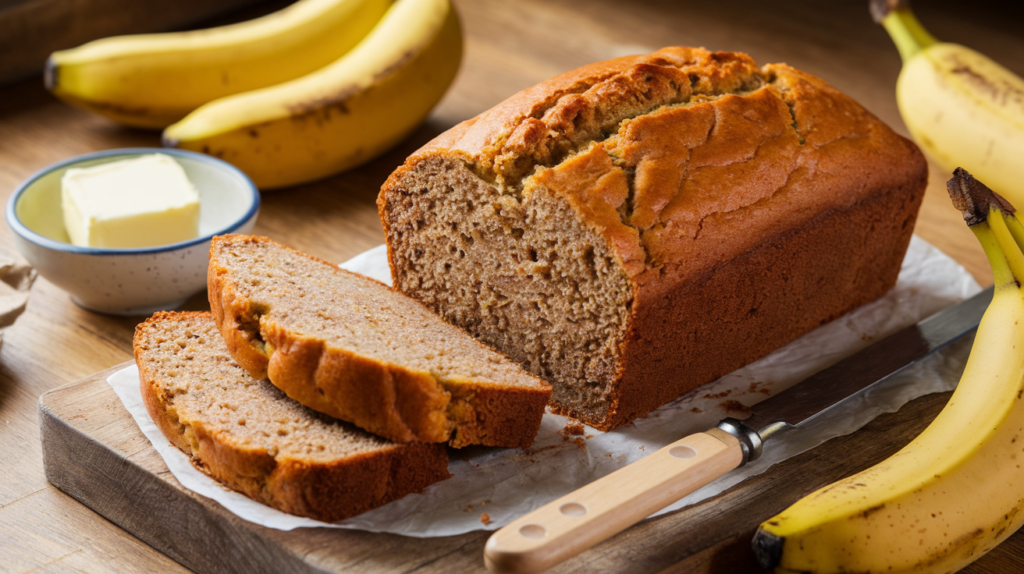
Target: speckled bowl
(130,281)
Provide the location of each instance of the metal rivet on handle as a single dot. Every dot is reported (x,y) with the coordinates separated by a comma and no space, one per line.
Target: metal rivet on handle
(573,509)
(682,452)
(533,531)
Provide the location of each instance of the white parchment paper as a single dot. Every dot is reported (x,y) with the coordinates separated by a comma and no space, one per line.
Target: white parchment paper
(490,487)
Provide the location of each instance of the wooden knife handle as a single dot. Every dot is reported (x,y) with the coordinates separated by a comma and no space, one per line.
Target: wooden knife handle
(611,504)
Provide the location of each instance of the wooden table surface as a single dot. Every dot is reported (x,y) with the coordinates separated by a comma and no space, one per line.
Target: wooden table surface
(509,46)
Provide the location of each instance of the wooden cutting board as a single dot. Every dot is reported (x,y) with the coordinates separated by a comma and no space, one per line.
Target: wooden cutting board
(93,451)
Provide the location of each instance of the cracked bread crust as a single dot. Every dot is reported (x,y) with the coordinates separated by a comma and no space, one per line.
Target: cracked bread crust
(284,316)
(685,167)
(248,435)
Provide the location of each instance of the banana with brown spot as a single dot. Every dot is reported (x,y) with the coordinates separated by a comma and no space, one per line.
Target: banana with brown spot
(342,115)
(962,108)
(957,490)
(154,80)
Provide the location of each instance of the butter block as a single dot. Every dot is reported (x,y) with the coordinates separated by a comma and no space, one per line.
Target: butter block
(140,202)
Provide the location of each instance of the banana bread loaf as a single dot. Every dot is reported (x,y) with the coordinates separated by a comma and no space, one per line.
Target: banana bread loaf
(636,228)
(248,435)
(357,350)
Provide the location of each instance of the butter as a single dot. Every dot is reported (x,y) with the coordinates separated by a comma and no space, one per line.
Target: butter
(139,202)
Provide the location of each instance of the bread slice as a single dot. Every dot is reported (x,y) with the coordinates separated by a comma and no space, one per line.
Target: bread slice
(355,349)
(248,435)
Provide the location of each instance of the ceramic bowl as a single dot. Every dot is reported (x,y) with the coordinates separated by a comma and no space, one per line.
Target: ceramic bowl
(130,281)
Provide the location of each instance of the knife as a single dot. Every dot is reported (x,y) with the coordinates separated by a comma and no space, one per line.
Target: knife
(609,505)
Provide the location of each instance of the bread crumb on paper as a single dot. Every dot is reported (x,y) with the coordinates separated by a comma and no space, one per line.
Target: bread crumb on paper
(735,407)
(720,395)
(571,429)
(485,518)
(529,453)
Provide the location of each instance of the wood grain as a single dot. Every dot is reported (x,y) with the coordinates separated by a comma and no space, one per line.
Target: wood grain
(509,46)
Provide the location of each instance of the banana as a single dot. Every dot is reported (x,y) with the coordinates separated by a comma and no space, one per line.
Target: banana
(961,107)
(154,80)
(342,115)
(955,491)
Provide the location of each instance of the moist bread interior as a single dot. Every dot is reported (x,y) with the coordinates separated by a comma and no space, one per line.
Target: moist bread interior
(245,433)
(202,383)
(540,285)
(353,312)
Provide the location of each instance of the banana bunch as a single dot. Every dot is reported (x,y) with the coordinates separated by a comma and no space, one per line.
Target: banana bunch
(318,88)
(154,80)
(961,107)
(957,490)
(342,115)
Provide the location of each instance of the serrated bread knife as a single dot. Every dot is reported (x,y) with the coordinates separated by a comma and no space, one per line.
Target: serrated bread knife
(607,506)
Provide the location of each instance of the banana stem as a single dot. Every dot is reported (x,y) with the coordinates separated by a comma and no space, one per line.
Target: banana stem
(1001,271)
(1016,229)
(907,33)
(1008,243)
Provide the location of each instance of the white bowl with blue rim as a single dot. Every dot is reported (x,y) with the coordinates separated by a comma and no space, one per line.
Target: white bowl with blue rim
(130,281)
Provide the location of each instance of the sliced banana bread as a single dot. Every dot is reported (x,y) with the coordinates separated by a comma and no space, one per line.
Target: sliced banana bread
(636,228)
(248,435)
(355,349)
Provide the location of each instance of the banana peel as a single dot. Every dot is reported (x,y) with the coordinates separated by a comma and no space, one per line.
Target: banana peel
(961,107)
(342,115)
(153,80)
(957,490)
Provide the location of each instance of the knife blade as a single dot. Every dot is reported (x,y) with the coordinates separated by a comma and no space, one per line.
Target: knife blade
(601,509)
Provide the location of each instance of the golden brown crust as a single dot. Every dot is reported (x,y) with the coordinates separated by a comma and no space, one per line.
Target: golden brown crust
(394,401)
(695,187)
(246,351)
(322,491)
(481,412)
(528,123)
(733,315)
(540,123)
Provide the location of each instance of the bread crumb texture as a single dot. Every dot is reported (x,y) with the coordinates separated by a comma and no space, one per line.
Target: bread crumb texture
(247,434)
(638,227)
(353,348)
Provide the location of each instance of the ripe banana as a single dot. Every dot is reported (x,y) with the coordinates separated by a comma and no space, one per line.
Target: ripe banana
(154,80)
(956,490)
(961,107)
(342,115)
